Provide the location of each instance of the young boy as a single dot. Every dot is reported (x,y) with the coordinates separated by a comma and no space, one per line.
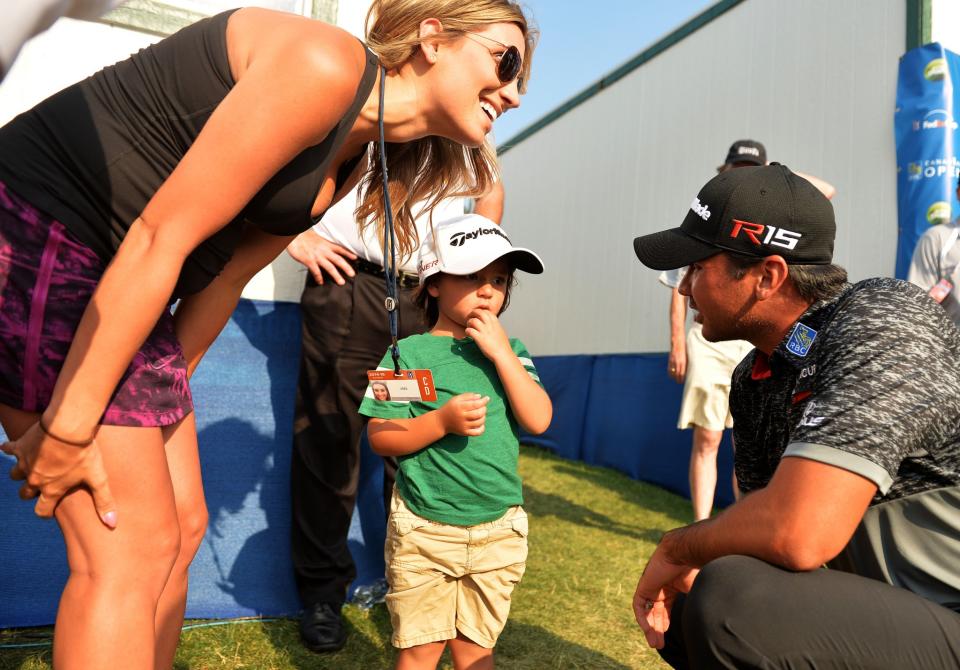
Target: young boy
(457,536)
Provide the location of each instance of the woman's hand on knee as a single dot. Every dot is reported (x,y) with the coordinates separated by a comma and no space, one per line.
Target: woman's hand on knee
(50,468)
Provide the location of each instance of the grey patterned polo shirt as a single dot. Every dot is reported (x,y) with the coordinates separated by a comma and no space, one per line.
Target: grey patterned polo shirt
(869,382)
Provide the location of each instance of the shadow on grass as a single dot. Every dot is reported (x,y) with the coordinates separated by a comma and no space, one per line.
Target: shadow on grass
(522,646)
(367,648)
(641,494)
(527,647)
(540,504)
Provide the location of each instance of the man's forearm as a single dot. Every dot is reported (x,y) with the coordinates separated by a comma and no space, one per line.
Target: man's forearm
(821,185)
(750,527)
(803,518)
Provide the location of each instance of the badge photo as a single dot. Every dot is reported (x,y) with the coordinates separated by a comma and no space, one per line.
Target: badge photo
(407,385)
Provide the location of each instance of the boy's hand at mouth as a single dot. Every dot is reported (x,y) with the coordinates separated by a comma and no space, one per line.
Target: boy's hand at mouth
(485,329)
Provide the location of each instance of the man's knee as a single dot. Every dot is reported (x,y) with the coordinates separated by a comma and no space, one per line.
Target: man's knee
(720,611)
(723,587)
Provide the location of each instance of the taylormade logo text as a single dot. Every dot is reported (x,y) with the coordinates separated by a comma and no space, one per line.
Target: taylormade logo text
(459,239)
(701,210)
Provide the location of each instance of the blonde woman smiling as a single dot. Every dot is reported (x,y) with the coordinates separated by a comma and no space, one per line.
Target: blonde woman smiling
(178,174)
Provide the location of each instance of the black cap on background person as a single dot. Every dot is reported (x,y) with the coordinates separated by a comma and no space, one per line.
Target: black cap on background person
(743,153)
(751,211)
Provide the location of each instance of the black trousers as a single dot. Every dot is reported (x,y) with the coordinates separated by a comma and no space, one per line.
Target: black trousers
(345,333)
(744,613)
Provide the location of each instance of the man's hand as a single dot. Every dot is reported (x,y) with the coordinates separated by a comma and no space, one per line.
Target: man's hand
(320,256)
(658,587)
(465,414)
(677,364)
(51,468)
(485,329)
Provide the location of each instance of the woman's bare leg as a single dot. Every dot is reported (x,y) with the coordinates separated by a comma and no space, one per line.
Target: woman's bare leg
(183,460)
(107,610)
(703,470)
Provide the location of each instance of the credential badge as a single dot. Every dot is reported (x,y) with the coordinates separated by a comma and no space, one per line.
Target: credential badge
(801,339)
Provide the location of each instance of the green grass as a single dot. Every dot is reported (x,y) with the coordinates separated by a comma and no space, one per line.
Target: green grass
(591,532)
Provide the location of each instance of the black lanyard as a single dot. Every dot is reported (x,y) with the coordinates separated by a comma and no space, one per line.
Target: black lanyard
(389,242)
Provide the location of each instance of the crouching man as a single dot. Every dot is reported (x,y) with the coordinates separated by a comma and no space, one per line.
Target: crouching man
(847,426)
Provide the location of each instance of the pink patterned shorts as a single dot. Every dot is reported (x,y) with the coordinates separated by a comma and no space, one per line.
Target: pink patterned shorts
(46,281)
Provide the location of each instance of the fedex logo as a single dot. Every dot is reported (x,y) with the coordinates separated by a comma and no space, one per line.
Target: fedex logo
(760,234)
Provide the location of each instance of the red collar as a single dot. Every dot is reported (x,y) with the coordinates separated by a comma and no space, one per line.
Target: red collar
(761,367)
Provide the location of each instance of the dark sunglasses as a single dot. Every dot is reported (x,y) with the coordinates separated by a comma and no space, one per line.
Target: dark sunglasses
(510,62)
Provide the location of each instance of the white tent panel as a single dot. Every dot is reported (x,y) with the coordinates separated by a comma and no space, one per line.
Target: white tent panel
(945,20)
(815,81)
(66,53)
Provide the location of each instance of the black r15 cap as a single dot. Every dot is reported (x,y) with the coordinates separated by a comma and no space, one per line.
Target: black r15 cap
(752,211)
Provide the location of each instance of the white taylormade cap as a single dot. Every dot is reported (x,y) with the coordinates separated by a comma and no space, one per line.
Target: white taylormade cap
(469,243)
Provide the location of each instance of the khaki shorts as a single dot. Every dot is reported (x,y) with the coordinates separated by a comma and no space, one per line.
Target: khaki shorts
(445,579)
(706,389)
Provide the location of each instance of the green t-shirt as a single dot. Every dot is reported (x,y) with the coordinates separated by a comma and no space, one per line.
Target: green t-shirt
(457,480)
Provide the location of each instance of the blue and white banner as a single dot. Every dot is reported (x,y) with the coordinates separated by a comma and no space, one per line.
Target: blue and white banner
(928,142)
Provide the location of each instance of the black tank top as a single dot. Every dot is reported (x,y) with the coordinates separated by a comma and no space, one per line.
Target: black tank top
(94,154)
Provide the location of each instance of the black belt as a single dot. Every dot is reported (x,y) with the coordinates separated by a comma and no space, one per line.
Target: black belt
(404,279)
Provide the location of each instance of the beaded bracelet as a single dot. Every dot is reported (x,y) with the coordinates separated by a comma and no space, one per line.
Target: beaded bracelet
(72,443)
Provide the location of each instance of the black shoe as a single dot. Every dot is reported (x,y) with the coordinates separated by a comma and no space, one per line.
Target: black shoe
(321,627)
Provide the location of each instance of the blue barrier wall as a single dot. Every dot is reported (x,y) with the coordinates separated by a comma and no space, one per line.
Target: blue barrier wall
(620,411)
(617,411)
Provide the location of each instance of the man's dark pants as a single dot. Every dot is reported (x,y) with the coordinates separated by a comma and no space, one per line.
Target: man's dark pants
(345,333)
(744,613)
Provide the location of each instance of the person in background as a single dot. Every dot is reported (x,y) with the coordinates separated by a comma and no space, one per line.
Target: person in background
(935,266)
(344,333)
(704,368)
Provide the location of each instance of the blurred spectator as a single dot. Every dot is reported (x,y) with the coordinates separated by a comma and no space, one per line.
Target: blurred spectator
(935,266)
